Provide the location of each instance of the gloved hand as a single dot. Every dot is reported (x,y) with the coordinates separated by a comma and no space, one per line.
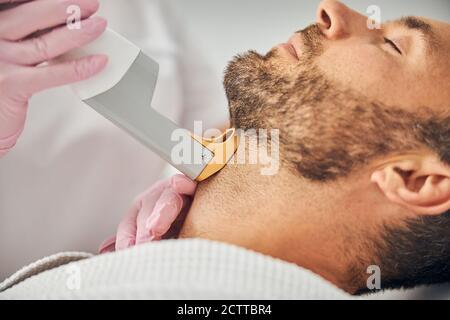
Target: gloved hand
(158,212)
(22,50)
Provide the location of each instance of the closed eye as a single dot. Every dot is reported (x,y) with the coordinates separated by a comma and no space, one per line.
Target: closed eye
(393,45)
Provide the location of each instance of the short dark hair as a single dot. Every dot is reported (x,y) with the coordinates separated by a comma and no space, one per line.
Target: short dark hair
(435,134)
(419,254)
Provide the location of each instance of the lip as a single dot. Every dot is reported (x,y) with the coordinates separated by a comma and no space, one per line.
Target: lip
(296,41)
(289,48)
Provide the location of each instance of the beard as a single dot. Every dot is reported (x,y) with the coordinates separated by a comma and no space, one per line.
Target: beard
(326,130)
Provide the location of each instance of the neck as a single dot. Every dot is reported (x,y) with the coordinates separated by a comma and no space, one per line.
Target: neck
(242,207)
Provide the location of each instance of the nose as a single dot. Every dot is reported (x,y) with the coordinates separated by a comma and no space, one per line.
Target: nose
(336,20)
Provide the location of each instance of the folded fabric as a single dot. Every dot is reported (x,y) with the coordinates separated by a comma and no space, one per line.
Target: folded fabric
(181,269)
(170,269)
(42,265)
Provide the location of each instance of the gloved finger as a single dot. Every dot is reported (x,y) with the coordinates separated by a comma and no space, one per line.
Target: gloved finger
(183,185)
(152,224)
(13,1)
(127,230)
(148,202)
(13,110)
(186,188)
(109,245)
(9,141)
(35,79)
(25,19)
(175,228)
(53,44)
(13,114)
(6,4)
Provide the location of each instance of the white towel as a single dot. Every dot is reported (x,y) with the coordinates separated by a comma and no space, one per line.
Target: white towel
(171,269)
(180,269)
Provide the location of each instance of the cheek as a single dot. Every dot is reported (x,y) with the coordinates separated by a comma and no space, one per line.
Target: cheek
(364,68)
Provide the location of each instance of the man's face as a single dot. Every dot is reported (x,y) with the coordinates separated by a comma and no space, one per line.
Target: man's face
(346,97)
(342,94)
(404,64)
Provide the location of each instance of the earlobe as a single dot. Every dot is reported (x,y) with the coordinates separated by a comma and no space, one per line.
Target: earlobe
(421,185)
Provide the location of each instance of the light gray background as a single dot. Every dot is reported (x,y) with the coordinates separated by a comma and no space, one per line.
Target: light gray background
(223,28)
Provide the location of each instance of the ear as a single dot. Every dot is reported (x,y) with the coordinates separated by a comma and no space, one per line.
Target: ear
(420,184)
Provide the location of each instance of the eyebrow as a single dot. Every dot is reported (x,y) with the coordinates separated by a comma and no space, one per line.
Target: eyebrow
(417,24)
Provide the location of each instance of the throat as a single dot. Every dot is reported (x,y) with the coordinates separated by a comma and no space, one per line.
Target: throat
(241,214)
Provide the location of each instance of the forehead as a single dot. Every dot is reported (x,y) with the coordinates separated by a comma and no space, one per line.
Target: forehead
(440,52)
(442,28)
(435,78)
(440,33)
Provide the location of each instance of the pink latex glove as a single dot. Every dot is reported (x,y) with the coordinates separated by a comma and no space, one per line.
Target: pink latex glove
(158,212)
(22,49)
